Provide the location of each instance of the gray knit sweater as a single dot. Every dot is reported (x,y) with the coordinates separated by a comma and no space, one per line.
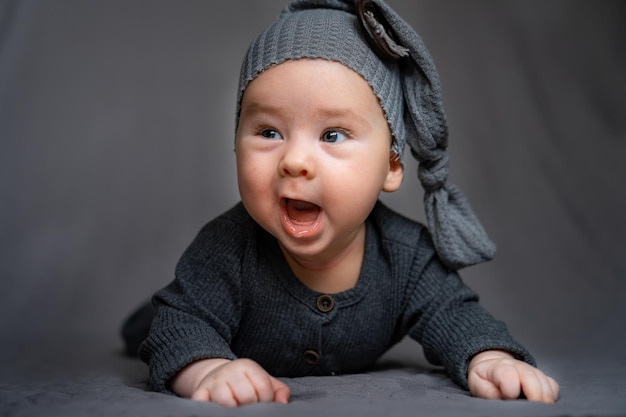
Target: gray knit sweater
(234,296)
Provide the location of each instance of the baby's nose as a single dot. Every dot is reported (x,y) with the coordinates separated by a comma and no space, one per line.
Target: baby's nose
(297,161)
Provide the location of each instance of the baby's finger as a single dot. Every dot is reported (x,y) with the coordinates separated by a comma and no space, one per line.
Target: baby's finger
(281,391)
(201,394)
(244,392)
(534,385)
(548,395)
(555,388)
(483,388)
(550,388)
(507,379)
(223,395)
(261,383)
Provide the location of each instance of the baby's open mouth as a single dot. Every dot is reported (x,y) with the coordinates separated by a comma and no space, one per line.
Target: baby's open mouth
(301,212)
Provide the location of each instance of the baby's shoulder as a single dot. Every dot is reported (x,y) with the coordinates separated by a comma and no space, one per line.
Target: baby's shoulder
(394,228)
(232,224)
(227,236)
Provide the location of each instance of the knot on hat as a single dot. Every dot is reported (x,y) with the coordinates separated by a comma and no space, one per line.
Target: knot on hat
(433,174)
(459,238)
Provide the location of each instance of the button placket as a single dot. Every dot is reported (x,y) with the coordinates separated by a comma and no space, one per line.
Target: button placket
(325,304)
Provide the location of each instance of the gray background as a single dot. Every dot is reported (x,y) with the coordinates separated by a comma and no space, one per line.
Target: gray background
(116,138)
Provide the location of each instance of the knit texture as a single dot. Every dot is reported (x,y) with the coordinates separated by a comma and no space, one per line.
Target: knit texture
(235,296)
(409,93)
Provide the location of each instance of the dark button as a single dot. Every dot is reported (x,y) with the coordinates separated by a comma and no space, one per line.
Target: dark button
(311,357)
(325,303)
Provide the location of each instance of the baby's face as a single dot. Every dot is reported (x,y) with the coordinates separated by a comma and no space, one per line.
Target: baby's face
(313,155)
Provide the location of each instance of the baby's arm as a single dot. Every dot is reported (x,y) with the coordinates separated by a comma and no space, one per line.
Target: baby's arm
(229,383)
(495,374)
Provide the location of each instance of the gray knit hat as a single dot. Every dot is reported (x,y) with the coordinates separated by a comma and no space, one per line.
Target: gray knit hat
(369,37)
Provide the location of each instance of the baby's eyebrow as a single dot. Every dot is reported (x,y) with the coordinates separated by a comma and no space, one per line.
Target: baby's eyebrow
(260,108)
(342,114)
(338,112)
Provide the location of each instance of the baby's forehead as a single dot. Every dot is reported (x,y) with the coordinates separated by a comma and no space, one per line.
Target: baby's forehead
(317,69)
(315,88)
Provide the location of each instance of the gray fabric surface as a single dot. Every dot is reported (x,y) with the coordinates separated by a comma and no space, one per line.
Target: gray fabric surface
(116,138)
(102,382)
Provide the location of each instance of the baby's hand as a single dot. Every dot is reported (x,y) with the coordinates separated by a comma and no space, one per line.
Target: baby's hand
(497,375)
(229,383)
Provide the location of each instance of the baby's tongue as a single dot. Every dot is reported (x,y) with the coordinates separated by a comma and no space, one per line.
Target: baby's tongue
(302,212)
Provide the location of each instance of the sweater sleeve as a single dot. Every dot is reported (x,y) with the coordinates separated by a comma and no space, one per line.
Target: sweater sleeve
(444,316)
(198,314)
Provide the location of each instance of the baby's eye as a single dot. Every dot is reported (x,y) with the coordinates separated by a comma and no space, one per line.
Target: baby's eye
(333,136)
(270,134)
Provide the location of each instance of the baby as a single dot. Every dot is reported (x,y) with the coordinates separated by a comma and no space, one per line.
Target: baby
(311,274)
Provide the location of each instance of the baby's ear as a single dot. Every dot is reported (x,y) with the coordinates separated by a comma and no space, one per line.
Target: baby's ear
(395,174)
